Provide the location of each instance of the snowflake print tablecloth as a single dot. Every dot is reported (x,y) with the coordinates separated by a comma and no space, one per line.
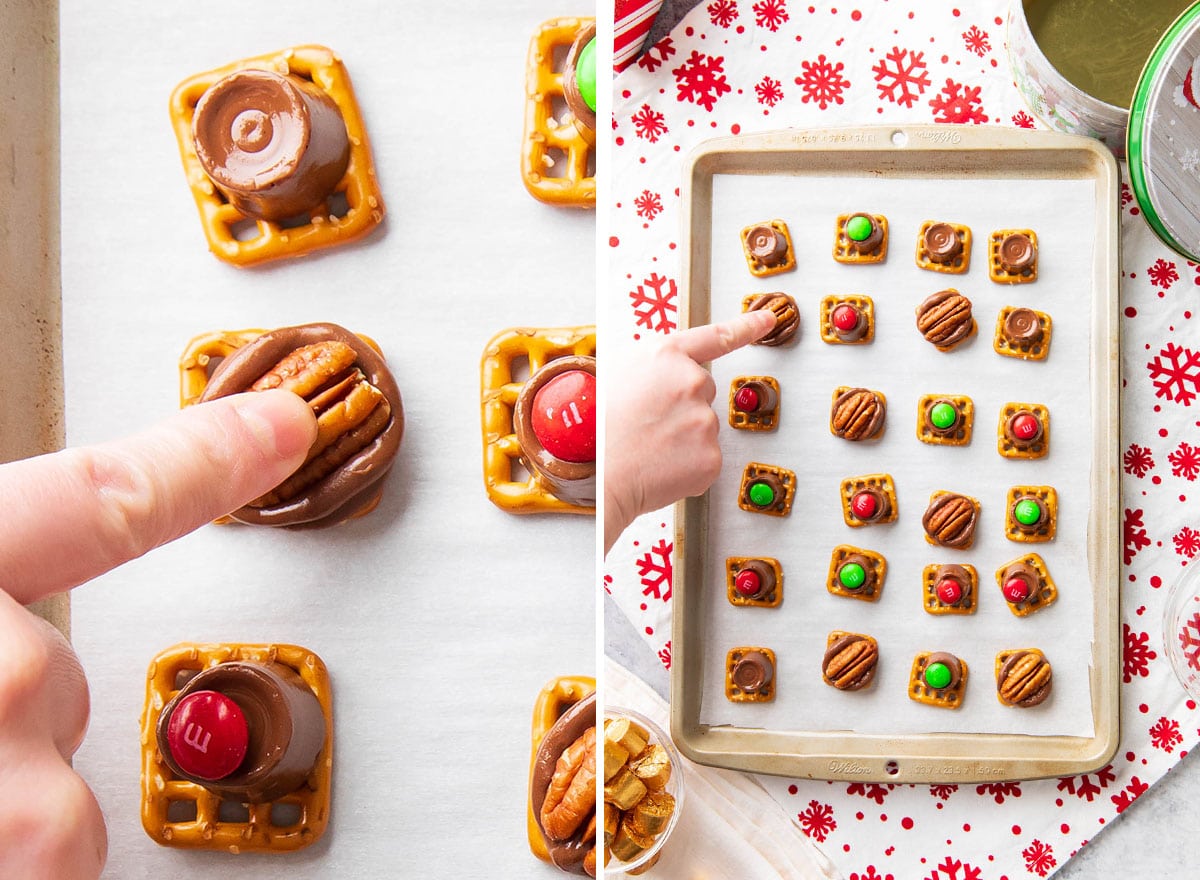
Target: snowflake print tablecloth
(742,66)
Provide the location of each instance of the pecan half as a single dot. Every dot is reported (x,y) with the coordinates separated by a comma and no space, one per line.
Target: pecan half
(359,419)
(950,520)
(857,414)
(571,797)
(787,316)
(1025,679)
(945,318)
(849,663)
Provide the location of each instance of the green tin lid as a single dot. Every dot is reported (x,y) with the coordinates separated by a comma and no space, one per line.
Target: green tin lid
(1163,140)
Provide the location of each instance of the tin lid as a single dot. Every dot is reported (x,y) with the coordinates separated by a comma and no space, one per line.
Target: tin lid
(1164,136)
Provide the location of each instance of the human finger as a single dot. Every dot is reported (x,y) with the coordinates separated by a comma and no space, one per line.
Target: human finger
(711,341)
(84,511)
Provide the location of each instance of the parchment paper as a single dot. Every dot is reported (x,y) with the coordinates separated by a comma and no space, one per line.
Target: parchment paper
(902,365)
(439,615)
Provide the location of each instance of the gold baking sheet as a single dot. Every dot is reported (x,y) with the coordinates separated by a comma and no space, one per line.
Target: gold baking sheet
(864,161)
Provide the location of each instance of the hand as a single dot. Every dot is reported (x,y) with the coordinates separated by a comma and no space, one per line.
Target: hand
(660,428)
(73,515)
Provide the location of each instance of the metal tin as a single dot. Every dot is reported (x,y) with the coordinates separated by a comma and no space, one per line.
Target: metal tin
(1076,33)
(1164,137)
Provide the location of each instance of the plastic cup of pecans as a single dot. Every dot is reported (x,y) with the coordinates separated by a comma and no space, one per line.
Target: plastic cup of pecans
(643,790)
(1181,630)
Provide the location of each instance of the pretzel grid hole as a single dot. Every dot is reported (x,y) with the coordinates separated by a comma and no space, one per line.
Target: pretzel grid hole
(179,811)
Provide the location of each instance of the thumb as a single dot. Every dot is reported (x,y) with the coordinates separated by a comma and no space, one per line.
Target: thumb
(84,511)
(711,341)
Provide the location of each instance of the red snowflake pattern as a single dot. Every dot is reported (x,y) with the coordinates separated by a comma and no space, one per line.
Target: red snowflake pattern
(1189,641)
(1083,787)
(722,13)
(653,303)
(817,821)
(1137,654)
(1187,542)
(1134,790)
(822,82)
(1185,461)
(942,792)
(1165,734)
(958,103)
(948,870)
(654,569)
(1039,858)
(770,14)
(1021,119)
(871,791)
(648,124)
(1162,274)
(1135,534)
(870,874)
(1177,377)
(976,41)
(768,91)
(1138,460)
(999,790)
(904,79)
(664,655)
(648,204)
(656,55)
(701,80)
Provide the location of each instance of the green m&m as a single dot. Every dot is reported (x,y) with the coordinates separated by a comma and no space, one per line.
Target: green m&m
(938,676)
(852,576)
(762,495)
(858,228)
(1027,512)
(585,74)
(943,415)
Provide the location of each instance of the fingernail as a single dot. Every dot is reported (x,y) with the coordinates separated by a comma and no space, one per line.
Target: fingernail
(280,422)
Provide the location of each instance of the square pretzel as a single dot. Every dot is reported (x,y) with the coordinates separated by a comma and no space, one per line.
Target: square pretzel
(782,505)
(1043,596)
(224,225)
(944,698)
(1047,530)
(844,252)
(554,699)
(882,483)
(934,496)
(774,596)
(1040,448)
(735,694)
(204,829)
(934,605)
(767,420)
(557,160)
(864,304)
(499,392)
(962,260)
(962,428)
(872,589)
(997,272)
(756,267)
(1026,351)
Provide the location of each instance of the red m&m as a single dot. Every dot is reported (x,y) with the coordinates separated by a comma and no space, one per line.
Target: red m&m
(949,591)
(1025,426)
(845,318)
(207,735)
(864,505)
(746,399)
(747,582)
(564,416)
(1016,590)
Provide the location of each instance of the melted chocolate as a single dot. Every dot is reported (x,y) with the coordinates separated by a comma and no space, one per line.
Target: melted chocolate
(942,243)
(766,245)
(753,673)
(1022,327)
(354,484)
(572,724)
(1017,252)
(571,481)
(275,145)
(285,723)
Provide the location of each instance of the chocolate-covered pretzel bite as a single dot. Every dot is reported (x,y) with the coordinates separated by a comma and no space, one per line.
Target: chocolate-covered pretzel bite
(360,420)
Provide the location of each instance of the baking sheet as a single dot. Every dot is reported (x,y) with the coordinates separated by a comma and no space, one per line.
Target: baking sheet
(439,616)
(986,180)
(900,364)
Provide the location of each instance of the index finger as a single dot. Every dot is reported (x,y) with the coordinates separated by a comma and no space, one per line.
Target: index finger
(77,513)
(711,341)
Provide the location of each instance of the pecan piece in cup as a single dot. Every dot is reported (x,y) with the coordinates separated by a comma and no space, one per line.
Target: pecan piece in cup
(360,420)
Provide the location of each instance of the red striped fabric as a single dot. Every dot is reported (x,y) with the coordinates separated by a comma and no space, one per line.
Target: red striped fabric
(631,23)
